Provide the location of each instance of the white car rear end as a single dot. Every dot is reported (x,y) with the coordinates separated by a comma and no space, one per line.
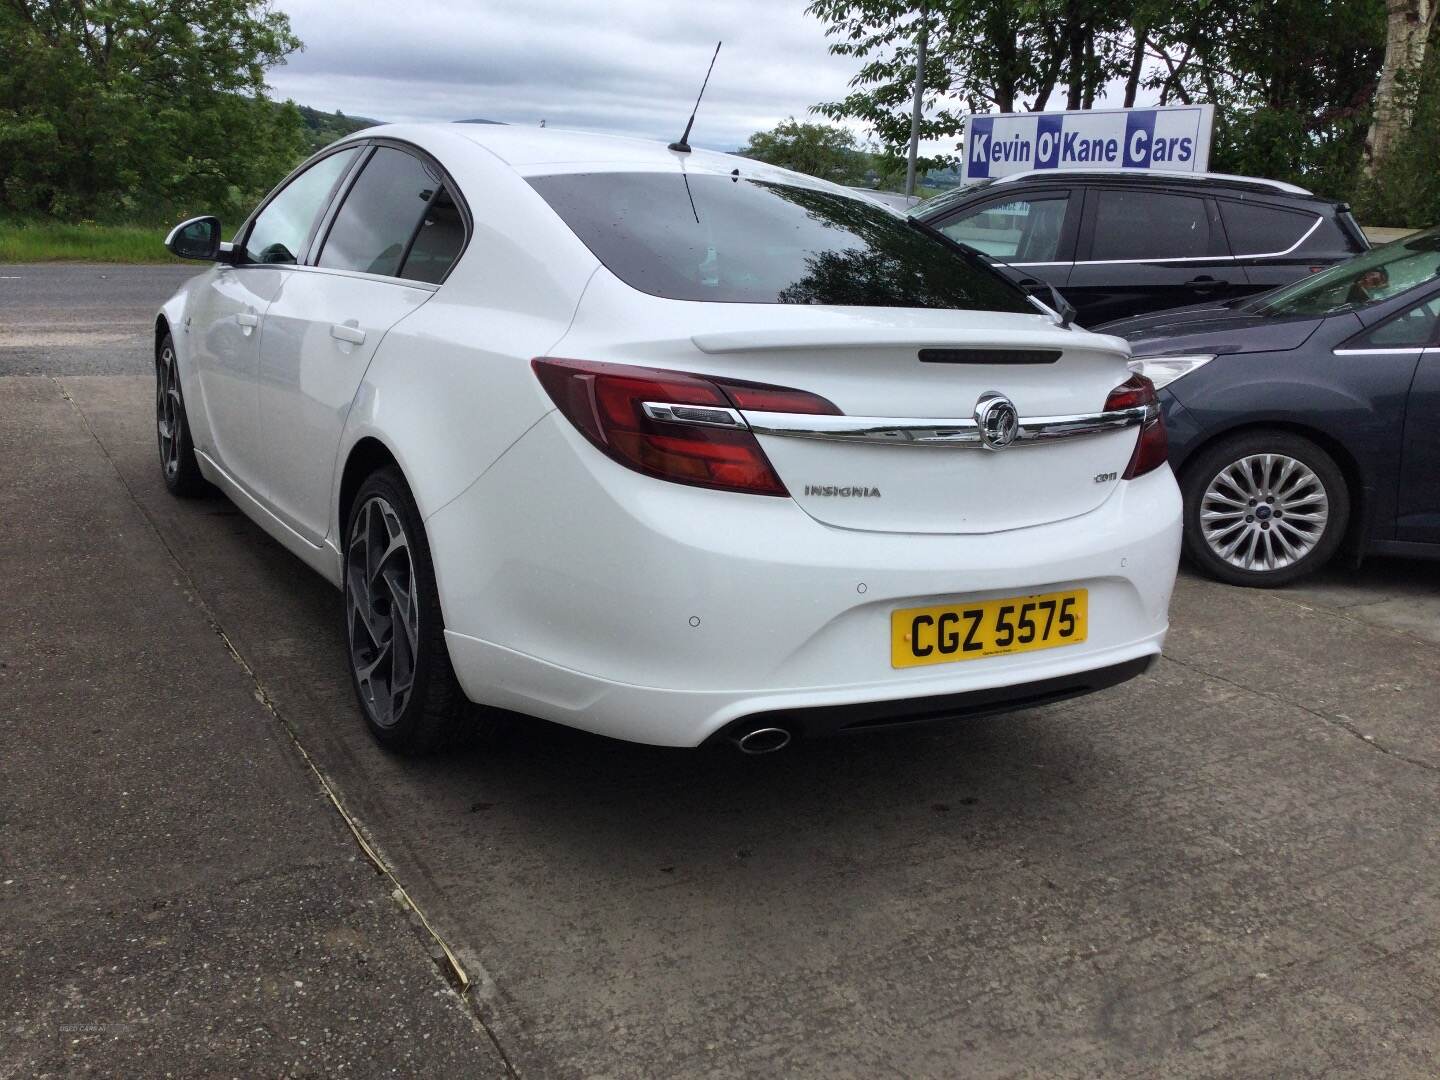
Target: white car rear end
(674,447)
(841,478)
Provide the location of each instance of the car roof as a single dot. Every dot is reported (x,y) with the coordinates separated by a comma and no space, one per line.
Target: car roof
(535,150)
(1251,183)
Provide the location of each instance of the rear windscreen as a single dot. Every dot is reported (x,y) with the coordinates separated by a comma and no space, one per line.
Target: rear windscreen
(730,239)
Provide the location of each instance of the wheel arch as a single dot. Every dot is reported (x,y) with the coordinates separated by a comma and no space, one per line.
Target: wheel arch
(162,328)
(368,455)
(1357,529)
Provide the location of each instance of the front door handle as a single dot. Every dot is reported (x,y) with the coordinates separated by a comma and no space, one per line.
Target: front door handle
(248,318)
(1204,283)
(353,334)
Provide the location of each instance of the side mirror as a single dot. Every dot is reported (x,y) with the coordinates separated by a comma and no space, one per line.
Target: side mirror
(198,238)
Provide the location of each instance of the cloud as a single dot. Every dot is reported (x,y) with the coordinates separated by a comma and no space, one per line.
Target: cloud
(630,68)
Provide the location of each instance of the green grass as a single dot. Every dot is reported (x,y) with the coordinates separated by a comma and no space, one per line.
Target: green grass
(24,241)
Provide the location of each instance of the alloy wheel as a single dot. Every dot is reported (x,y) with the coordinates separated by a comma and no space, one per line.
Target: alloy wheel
(169,412)
(383,615)
(1264,512)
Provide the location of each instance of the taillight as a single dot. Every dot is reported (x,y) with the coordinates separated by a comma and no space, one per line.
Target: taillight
(671,424)
(1152,448)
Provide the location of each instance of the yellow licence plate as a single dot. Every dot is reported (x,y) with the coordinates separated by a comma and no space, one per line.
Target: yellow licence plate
(951,632)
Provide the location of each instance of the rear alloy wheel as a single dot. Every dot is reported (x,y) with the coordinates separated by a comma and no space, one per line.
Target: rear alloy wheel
(1264,508)
(399,664)
(177,453)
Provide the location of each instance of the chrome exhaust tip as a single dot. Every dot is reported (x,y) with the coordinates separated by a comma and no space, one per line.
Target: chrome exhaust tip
(765,740)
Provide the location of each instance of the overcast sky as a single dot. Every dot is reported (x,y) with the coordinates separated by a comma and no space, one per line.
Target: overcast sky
(628,67)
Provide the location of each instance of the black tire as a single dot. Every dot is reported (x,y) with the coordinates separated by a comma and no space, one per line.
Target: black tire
(178,466)
(1324,490)
(432,713)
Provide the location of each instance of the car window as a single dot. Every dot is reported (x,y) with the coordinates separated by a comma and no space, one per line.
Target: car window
(1255,229)
(1149,225)
(1413,328)
(282,227)
(1021,230)
(732,239)
(380,214)
(438,243)
(1367,279)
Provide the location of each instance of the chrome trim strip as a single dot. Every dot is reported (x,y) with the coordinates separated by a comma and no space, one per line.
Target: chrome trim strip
(927,431)
(1184,258)
(700,415)
(1414,351)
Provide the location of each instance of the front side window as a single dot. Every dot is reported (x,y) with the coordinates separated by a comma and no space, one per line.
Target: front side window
(1141,225)
(283,226)
(1413,328)
(1021,230)
(732,239)
(1366,279)
(373,229)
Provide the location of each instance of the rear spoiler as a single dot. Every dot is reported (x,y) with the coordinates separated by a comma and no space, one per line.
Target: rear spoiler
(1351,228)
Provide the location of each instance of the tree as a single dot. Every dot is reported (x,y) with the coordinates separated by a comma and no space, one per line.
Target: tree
(986,54)
(822,150)
(1404,190)
(132,108)
(1408,26)
(1292,81)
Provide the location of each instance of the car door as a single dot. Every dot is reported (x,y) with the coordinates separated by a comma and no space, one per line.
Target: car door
(383,251)
(223,323)
(1419,495)
(1033,231)
(1142,249)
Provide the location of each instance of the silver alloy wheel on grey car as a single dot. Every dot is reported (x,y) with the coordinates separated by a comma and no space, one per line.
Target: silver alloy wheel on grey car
(383,611)
(168,411)
(1264,512)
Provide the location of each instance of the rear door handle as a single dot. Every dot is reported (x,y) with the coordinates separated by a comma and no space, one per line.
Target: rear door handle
(248,318)
(353,334)
(1205,283)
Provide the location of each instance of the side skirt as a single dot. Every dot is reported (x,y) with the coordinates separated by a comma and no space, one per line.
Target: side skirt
(322,558)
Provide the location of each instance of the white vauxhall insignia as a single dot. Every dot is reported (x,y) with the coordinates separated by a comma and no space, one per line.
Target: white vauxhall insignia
(675,447)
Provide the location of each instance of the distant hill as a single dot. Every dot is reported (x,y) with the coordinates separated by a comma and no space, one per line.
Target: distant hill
(322,128)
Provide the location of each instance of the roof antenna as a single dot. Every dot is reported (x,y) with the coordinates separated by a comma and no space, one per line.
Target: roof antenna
(683,146)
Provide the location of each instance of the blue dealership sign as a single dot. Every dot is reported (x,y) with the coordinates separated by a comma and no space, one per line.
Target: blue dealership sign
(1170,138)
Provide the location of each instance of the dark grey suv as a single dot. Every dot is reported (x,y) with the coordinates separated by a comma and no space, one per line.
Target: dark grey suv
(1124,243)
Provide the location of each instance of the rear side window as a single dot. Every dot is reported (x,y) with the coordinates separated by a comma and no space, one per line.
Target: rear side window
(1255,229)
(1332,240)
(1021,230)
(381,215)
(1140,225)
(732,239)
(438,243)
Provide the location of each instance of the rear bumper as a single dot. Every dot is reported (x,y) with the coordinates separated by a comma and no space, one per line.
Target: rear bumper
(578,591)
(860,717)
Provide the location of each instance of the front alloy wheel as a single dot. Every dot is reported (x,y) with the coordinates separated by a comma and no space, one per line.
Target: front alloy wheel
(178,466)
(1264,508)
(1264,512)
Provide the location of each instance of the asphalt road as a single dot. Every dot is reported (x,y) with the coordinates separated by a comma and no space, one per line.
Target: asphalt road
(82,319)
(1225,868)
